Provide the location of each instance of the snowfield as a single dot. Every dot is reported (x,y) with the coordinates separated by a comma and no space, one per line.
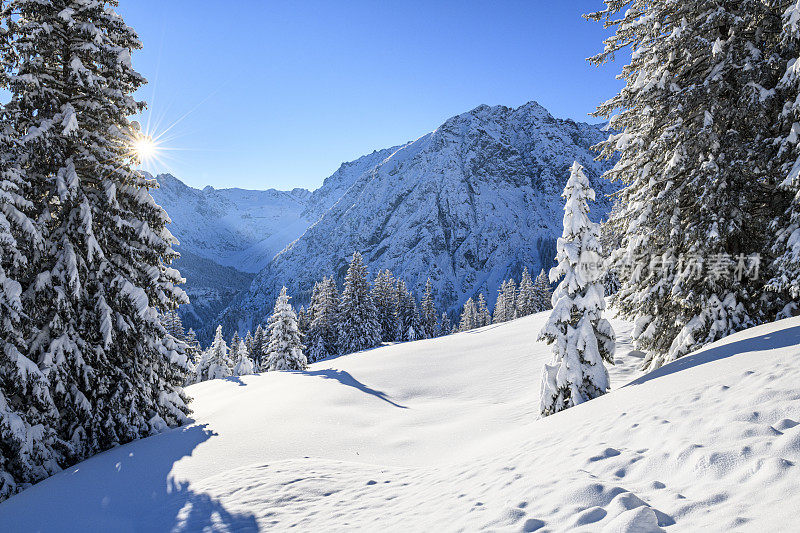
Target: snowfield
(443,435)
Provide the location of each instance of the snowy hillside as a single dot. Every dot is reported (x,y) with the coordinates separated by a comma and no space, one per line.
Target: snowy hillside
(442,435)
(466,205)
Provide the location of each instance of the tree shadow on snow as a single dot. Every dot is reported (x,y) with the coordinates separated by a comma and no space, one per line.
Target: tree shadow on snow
(128,488)
(237,380)
(345,378)
(789,336)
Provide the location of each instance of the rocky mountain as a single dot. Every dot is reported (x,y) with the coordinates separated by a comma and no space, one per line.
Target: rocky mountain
(467,205)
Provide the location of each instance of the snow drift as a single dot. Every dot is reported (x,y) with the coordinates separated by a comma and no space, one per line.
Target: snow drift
(443,435)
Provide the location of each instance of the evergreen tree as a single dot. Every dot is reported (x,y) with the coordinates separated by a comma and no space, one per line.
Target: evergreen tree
(215,362)
(303,321)
(243,365)
(785,268)
(428,312)
(193,348)
(469,316)
(582,339)
(28,445)
(98,269)
(358,322)
(543,296)
(234,347)
(384,295)
(409,322)
(526,299)
(248,342)
(445,326)
(505,306)
(323,332)
(285,350)
(259,344)
(173,324)
(484,317)
(692,124)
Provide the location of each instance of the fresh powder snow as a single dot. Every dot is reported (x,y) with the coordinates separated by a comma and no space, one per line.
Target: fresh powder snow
(443,435)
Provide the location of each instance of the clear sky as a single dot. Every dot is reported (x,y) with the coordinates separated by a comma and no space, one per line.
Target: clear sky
(279,94)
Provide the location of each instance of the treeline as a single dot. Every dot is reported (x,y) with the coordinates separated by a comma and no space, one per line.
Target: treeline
(363,315)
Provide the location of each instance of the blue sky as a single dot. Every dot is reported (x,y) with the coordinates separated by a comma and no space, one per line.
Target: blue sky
(278,94)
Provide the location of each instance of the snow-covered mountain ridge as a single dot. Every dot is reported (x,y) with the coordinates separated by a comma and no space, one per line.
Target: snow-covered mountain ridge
(467,205)
(443,435)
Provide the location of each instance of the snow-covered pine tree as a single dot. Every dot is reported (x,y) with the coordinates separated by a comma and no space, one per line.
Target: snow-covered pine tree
(384,296)
(303,321)
(526,297)
(469,316)
(543,296)
(692,126)
(101,268)
(511,300)
(323,331)
(785,268)
(193,348)
(505,306)
(215,362)
(259,342)
(29,450)
(243,365)
(234,347)
(358,322)
(445,326)
(172,322)
(582,339)
(409,323)
(285,349)
(428,306)
(500,304)
(248,341)
(484,317)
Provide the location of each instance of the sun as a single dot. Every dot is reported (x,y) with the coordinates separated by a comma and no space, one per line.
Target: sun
(145,148)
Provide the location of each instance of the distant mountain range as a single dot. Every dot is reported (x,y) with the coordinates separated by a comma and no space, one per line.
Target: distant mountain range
(467,205)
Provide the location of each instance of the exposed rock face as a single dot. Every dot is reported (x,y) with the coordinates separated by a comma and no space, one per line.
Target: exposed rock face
(466,205)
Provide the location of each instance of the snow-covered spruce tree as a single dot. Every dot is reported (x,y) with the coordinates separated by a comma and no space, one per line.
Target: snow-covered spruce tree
(384,296)
(192,346)
(469,316)
(543,296)
(526,297)
(582,339)
(101,269)
(29,450)
(285,349)
(257,352)
(409,322)
(243,365)
(484,317)
(303,321)
(234,346)
(248,341)
(428,306)
(500,305)
(505,306)
(692,124)
(215,362)
(445,326)
(323,331)
(358,322)
(785,269)
(172,322)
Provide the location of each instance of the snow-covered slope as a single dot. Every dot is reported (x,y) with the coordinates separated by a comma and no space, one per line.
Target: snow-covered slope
(442,435)
(466,205)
